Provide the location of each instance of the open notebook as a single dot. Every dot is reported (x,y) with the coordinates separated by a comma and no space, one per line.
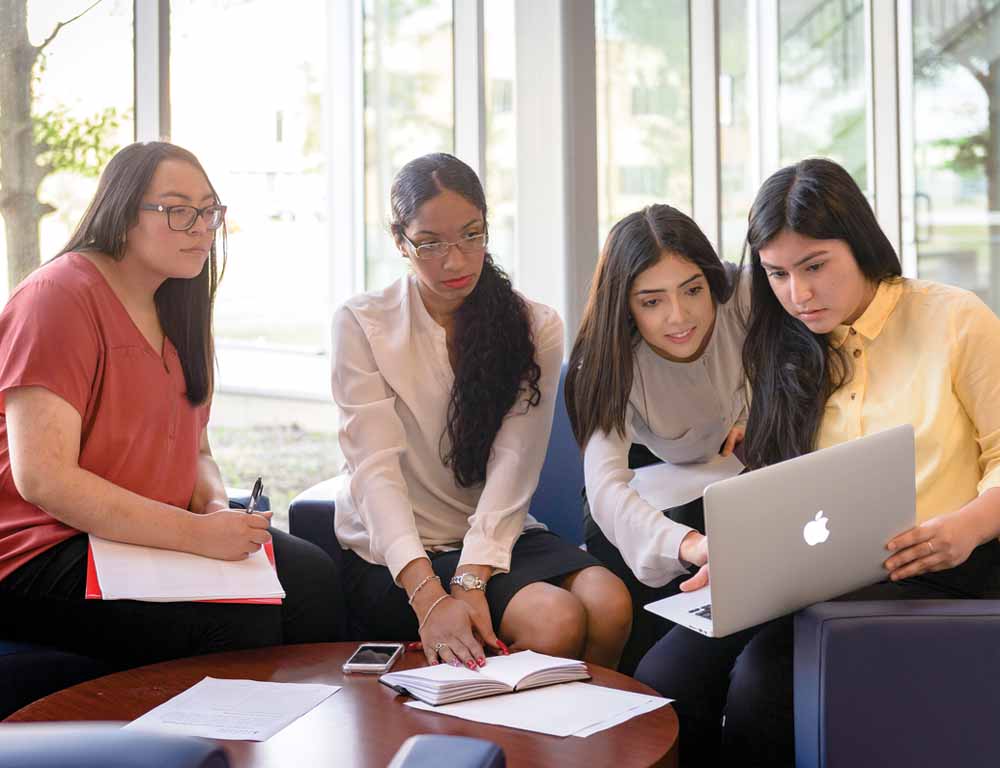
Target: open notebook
(444,684)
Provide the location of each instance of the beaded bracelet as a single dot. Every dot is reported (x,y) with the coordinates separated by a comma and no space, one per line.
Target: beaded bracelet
(429,610)
(413,597)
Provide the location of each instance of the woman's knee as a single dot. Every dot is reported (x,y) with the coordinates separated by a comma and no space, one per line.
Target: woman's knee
(547,619)
(605,598)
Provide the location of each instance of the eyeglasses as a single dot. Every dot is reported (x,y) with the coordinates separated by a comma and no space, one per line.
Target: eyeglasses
(470,245)
(181,218)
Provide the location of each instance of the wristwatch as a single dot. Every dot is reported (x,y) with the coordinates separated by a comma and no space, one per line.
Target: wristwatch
(468,581)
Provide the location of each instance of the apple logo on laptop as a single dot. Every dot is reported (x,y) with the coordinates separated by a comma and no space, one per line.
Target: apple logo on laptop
(816,531)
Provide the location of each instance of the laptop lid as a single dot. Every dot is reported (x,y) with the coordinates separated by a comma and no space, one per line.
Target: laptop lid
(808,529)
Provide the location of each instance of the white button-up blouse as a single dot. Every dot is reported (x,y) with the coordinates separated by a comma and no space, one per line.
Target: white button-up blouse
(391,380)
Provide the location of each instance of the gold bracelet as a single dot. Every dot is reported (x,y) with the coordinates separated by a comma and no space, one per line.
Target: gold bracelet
(411,598)
(433,606)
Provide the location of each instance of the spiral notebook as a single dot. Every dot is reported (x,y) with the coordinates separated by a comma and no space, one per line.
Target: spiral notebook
(118,571)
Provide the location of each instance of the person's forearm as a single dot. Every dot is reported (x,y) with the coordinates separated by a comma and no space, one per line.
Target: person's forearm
(417,578)
(208,487)
(91,504)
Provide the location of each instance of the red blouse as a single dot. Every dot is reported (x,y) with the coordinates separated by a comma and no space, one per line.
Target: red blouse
(65,329)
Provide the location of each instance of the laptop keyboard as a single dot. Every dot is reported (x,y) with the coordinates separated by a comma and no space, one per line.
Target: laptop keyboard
(704,611)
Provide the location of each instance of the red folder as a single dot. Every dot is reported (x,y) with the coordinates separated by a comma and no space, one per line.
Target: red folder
(94,587)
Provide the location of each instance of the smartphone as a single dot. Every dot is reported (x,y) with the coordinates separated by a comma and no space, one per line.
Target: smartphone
(373,658)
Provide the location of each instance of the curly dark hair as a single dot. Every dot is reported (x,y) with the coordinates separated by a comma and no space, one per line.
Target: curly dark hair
(492,337)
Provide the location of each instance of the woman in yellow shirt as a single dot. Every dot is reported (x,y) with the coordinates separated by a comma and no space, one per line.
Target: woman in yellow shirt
(839,345)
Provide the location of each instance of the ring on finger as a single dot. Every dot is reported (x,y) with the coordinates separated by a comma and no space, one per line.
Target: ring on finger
(930,545)
(438,647)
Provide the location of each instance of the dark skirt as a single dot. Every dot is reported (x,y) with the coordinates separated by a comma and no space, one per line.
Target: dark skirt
(378,608)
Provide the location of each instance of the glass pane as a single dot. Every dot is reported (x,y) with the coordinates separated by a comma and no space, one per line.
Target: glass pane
(822,96)
(259,134)
(956,135)
(643,107)
(409,109)
(253,106)
(735,147)
(82,105)
(501,129)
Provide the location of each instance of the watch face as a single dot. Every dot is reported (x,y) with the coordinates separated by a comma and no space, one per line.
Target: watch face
(468,581)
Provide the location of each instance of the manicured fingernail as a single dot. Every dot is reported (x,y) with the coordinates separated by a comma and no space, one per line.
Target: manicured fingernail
(470,664)
(503,647)
(434,663)
(481,661)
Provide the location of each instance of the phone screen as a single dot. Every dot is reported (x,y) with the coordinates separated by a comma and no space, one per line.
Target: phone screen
(373,654)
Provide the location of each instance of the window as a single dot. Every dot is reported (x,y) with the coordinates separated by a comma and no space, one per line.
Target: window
(83,106)
(409,110)
(643,106)
(501,130)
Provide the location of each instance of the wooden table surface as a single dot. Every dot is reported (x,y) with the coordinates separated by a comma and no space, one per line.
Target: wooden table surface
(361,725)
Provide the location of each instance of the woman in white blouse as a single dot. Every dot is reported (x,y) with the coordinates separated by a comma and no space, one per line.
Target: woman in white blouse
(445,383)
(655,375)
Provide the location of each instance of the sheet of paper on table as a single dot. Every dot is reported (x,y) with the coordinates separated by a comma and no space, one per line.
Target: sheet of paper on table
(568,709)
(234,709)
(669,485)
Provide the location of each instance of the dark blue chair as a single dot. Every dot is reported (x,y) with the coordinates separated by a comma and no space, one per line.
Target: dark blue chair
(31,671)
(433,750)
(102,746)
(557,501)
(886,683)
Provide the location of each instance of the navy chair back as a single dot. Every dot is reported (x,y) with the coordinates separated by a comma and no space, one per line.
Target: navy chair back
(558,501)
(434,749)
(897,682)
(102,746)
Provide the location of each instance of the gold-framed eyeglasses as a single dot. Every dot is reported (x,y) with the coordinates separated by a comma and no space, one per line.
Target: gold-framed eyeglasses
(181,218)
(470,245)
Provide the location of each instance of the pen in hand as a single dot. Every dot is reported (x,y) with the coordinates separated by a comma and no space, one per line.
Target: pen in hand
(254,495)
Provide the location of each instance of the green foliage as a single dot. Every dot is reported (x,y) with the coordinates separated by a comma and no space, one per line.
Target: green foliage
(968,153)
(68,143)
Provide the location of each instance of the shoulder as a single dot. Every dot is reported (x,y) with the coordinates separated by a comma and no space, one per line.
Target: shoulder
(60,288)
(374,310)
(926,296)
(546,325)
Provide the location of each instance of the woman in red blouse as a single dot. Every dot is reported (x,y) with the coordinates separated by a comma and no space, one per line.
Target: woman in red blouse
(106,380)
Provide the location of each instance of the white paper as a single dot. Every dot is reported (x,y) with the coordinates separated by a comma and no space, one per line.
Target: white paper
(669,485)
(568,709)
(133,572)
(234,709)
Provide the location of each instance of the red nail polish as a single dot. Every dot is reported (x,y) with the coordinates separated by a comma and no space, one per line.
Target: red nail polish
(470,664)
(503,647)
(434,663)
(481,661)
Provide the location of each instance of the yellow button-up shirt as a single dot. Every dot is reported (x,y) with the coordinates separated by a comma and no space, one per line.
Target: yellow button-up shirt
(925,354)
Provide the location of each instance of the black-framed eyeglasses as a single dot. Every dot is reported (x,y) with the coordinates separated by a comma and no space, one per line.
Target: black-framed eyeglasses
(470,245)
(181,218)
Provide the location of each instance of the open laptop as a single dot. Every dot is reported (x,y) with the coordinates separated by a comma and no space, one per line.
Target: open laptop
(795,533)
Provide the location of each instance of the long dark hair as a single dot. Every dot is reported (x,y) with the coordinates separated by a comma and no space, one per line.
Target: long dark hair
(183,305)
(599,380)
(492,337)
(791,370)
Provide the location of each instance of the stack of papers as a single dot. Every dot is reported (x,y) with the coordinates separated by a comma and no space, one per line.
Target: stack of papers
(570,709)
(667,485)
(443,683)
(134,572)
(234,709)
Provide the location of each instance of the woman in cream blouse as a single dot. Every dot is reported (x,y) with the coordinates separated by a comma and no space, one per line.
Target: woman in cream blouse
(445,382)
(655,375)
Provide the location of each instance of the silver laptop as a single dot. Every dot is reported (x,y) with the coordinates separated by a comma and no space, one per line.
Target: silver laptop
(795,533)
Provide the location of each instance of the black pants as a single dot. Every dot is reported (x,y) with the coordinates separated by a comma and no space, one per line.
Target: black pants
(734,694)
(42,601)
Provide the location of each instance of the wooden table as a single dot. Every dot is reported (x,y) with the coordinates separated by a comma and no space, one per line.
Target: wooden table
(361,725)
